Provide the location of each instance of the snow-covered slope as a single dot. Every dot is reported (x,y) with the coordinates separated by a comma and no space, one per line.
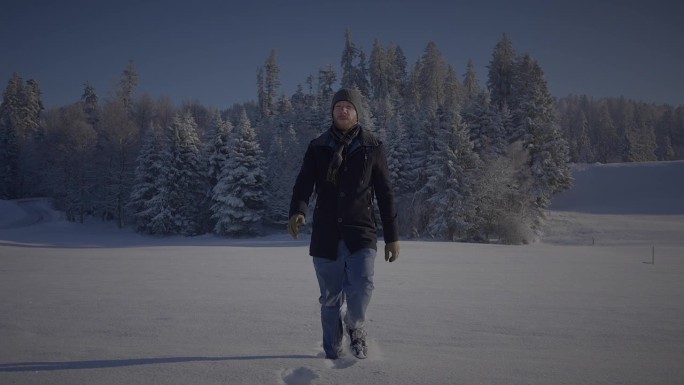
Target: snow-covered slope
(625,188)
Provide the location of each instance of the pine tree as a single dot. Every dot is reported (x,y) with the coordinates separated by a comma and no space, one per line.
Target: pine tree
(214,157)
(326,81)
(68,171)
(219,148)
(430,79)
(664,128)
(585,153)
(33,106)
(305,117)
(9,138)
(485,124)
(397,73)
(118,142)
(501,70)
(471,85)
(9,159)
(159,207)
(145,201)
(502,203)
(283,161)
(453,91)
(379,72)
(354,67)
(268,81)
(187,175)
(90,104)
(20,134)
(239,196)
(534,111)
(127,84)
(641,135)
(452,180)
(606,136)
(398,162)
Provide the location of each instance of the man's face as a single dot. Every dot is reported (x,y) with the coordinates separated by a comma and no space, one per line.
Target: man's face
(344,116)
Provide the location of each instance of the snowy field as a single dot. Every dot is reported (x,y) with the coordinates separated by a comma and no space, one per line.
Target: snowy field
(89,304)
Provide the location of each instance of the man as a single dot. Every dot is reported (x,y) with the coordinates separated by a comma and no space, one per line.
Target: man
(347,166)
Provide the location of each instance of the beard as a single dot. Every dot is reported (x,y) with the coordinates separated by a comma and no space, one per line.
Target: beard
(345,125)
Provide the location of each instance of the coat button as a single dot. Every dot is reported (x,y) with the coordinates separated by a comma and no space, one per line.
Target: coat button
(339,220)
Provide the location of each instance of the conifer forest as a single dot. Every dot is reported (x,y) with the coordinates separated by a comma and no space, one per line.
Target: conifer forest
(473,159)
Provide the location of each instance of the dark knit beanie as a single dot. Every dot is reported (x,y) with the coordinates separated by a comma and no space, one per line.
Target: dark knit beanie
(352,96)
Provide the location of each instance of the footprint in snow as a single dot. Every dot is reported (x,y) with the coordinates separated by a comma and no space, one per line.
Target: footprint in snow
(298,376)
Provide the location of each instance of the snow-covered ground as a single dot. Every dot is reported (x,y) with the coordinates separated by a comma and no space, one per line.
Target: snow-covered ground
(89,304)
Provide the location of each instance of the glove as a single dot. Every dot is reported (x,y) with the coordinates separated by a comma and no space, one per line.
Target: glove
(391,248)
(294,223)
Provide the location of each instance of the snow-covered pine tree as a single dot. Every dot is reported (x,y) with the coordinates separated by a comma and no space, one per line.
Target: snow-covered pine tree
(397,73)
(641,135)
(282,164)
(398,162)
(9,141)
(585,152)
(605,135)
(502,198)
(214,157)
(90,103)
(471,86)
(425,93)
(305,117)
(575,127)
(19,124)
(268,81)
(354,67)
(219,148)
(533,110)
(117,149)
(73,140)
(240,195)
(386,81)
(162,221)
(378,72)
(146,201)
(485,125)
(127,84)
(187,175)
(501,70)
(452,175)
(31,160)
(664,128)
(431,78)
(398,155)
(9,160)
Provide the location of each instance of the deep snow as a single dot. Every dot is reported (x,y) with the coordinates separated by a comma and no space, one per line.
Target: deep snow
(89,304)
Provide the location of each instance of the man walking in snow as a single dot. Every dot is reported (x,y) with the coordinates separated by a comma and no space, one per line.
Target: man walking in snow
(347,166)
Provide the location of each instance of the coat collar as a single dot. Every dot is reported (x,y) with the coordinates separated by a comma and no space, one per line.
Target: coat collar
(365,139)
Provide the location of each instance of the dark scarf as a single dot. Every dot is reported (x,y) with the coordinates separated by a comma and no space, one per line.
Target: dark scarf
(343,140)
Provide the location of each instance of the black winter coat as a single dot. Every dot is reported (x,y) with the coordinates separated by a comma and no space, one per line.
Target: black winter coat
(346,211)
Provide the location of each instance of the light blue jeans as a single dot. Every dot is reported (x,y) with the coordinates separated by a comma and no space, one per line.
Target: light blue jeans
(350,276)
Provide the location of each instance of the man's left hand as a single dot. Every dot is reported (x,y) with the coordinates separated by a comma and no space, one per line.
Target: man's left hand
(391,251)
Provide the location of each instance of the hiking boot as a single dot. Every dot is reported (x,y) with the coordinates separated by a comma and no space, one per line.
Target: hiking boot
(358,343)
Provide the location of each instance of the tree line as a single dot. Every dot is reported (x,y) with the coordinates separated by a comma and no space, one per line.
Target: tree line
(469,162)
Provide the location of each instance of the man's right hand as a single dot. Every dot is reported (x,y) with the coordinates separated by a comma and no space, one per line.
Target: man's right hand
(294,223)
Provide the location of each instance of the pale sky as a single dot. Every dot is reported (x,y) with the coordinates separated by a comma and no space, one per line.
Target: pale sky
(209,50)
